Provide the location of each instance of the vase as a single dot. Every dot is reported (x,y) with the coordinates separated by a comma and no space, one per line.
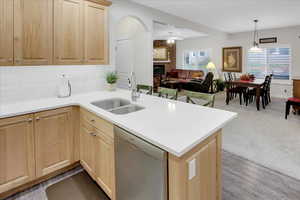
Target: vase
(111,87)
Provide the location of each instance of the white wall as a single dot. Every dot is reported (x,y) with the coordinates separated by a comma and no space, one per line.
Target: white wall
(27,83)
(286,37)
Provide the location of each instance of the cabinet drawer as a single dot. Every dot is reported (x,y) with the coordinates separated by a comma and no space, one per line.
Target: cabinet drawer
(101,124)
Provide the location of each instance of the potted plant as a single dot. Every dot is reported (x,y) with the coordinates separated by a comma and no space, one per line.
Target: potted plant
(111,79)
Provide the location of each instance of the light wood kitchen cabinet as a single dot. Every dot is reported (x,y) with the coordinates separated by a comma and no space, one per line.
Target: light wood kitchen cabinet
(6,32)
(68,32)
(97,151)
(17,164)
(87,148)
(95,33)
(53,140)
(45,32)
(104,148)
(206,180)
(33,32)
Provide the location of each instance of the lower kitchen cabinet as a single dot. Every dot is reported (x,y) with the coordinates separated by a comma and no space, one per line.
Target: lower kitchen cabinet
(53,140)
(17,164)
(97,151)
(104,171)
(87,148)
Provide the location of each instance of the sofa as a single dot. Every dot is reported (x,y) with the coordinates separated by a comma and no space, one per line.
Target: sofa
(180,74)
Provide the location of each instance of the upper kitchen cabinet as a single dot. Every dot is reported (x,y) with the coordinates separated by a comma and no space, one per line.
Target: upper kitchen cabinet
(95,33)
(33,32)
(6,32)
(80,32)
(68,32)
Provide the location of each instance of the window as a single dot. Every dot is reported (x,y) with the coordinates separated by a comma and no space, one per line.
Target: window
(276,61)
(195,60)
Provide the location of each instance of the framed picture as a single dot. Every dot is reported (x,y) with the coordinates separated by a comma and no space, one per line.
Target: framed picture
(232,59)
(161,54)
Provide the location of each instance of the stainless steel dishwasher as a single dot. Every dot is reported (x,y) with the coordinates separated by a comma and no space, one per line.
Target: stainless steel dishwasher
(141,168)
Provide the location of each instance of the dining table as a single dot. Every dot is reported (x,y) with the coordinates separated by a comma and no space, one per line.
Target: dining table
(257,84)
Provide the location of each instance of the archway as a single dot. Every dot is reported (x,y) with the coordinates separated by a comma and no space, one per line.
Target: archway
(133,52)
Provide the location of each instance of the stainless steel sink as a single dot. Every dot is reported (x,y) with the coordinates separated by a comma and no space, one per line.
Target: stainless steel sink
(110,104)
(117,106)
(127,109)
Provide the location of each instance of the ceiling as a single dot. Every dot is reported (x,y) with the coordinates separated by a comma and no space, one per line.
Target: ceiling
(163,31)
(232,16)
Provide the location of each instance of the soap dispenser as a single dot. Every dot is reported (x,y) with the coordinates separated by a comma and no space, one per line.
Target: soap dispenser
(64,87)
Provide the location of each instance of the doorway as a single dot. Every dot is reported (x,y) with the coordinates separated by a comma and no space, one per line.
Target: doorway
(133,52)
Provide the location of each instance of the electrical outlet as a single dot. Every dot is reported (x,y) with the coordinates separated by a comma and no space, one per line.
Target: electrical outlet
(192,169)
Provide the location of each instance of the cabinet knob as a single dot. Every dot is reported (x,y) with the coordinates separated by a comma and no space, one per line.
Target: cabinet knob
(29,120)
(37,118)
(92,120)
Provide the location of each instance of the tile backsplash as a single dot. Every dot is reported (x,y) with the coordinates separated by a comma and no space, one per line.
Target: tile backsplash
(35,82)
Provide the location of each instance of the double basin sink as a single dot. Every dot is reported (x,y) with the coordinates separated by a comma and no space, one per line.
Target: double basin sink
(117,106)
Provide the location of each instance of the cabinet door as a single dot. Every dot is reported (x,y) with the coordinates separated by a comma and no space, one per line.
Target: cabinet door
(54,140)
(95,34)
(68,31)
(87,150)
(16,152)
(105,170)
(33,28)
(6,32)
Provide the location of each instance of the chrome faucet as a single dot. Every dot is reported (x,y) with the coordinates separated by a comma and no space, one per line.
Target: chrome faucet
(133,86)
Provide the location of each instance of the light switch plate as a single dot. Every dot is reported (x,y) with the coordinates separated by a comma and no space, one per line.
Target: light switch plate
(192,169)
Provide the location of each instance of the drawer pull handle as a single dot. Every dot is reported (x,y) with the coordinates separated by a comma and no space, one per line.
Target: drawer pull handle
(93,134)
(92,120)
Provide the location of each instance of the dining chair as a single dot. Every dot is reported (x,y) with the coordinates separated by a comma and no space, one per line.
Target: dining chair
(168,93)
(251,94)
(199,98)
(269,89)
(233,90)
(145,88)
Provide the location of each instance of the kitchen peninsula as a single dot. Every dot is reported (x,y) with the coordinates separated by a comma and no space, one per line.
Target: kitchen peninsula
(190,134)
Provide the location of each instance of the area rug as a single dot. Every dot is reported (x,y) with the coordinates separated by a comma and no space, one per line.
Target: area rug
(77,187)
(264,137)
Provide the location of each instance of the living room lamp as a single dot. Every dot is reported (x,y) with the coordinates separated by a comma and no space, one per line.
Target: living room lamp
(211,66)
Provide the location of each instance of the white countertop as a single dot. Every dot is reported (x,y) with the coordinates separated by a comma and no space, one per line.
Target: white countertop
(174,126)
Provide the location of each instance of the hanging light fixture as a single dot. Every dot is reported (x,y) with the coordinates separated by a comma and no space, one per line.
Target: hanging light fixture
(255,47)
(173,36)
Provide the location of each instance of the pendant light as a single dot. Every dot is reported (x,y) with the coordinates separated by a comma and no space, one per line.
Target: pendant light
(255,47)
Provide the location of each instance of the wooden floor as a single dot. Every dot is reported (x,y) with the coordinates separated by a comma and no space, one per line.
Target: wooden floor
(242,180)
(245,180)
